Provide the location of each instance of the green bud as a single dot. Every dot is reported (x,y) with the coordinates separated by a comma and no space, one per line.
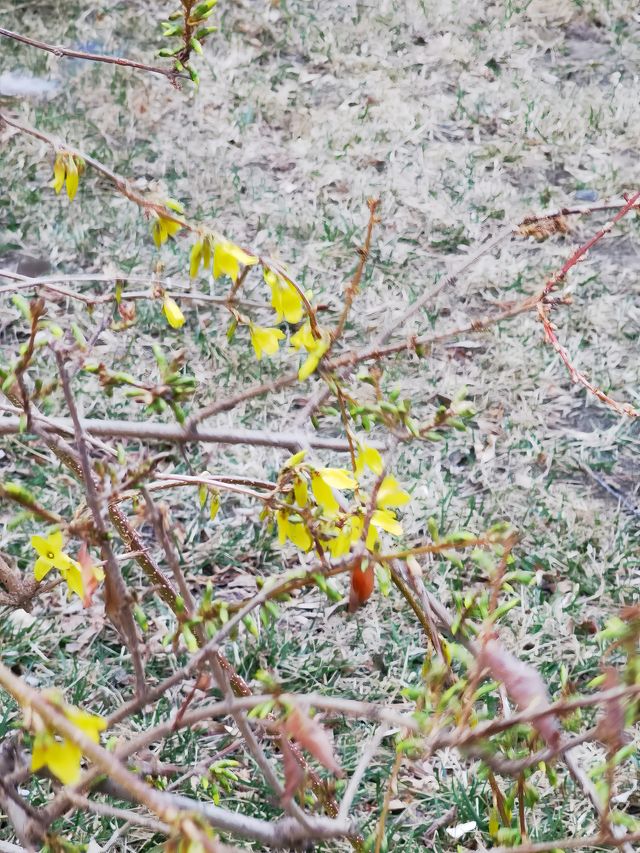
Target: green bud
(18,491)
(190,641)
(203,32)
(22,305)
(141,619)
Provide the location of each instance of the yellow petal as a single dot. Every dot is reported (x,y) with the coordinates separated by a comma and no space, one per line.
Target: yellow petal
(39,750)
(72,178)
(206,252)
(292,305)
(42,568)
(172,312)
(391,494)
(369,457)
(73,577)
(285,299)
(308,367)
(338,478)
(59,173)
(194,259)
(281,521)
(170,226)
(215,505)
(340,545)
(324,496)
(319,349)
(301,492)
(41,545)
(158,232)
(384,519)
(174,205)
(299,535)
(55,541)
(63,760)
(90,724)
(372,537)
(293,460)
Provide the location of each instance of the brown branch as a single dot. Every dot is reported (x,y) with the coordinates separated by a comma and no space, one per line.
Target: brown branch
(117,598)
(175,434)
(23,282)
(69,53)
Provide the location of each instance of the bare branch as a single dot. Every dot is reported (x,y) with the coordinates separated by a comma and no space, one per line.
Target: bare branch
(69,53)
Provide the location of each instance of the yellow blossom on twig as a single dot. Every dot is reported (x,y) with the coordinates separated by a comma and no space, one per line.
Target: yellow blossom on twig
(51,556)
(265,340)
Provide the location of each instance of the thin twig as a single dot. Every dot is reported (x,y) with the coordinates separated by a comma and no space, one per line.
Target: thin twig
(361,768)
(70,53)
(175,434)
(118,602)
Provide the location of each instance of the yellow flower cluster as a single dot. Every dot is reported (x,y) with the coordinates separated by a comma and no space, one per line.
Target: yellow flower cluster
(285,298)
(66,169)
(319,513)
(221,256)
(163,227)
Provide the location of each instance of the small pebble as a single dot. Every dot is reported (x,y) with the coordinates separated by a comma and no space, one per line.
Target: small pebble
(586,195)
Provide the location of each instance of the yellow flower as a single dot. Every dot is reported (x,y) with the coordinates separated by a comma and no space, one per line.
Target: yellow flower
(370,458)
(390,494)
(172,312)
(265,340)
(285,299)
(227,259)
(350,533)
(163,228)
(67,167)
(51,556)
(303,338)
(309,366)
(61,756)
